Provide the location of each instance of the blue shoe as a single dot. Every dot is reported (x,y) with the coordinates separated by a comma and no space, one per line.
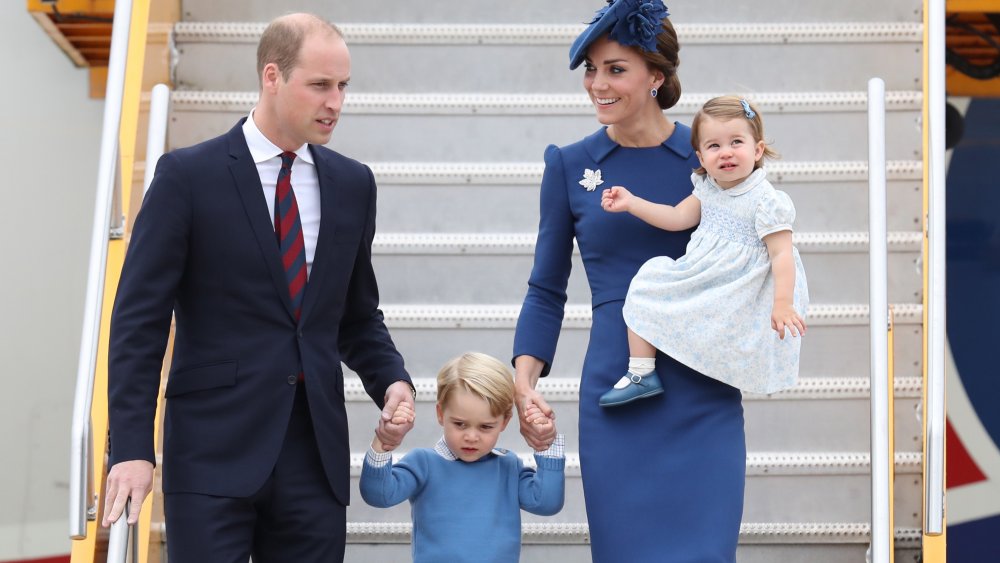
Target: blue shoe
(638,387)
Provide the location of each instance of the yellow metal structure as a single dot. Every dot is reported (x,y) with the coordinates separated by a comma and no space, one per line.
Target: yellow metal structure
(972,48)
(86,550)
(82,29)
(932,547)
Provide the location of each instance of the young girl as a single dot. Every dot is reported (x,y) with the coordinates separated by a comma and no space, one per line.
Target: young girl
(467,494)
(724,307)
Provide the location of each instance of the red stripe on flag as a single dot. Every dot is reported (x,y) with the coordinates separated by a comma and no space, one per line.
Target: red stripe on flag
(962,469)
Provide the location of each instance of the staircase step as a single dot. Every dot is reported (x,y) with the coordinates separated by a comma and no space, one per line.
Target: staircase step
(551,11)
(528,57)
(566,389)
(830,416)
(838,338)
(820,542)
(787,486)
(470,197)
(490,268)
(511,127)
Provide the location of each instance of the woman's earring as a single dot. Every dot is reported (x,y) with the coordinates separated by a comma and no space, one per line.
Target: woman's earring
(653,92)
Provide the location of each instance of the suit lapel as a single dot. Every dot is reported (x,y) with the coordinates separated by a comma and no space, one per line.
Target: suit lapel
(244,172)
(327,227)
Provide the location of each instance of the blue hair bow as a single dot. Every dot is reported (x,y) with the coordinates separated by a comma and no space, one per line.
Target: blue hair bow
(746,109)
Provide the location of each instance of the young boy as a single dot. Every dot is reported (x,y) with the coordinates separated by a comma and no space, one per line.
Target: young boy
(465,493)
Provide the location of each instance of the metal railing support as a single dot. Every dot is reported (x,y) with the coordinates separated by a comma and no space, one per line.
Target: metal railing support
(82,499)
(934,418)
(123,539)
(882,533)
(156,140)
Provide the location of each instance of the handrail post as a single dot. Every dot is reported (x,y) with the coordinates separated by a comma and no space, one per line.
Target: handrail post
(123,539)
(156,139)
(82,500)
(882,534)
(934,419)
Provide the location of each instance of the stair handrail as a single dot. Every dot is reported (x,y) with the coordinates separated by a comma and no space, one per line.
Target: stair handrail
(156,138)
(878,279)
(934,417)
(123,539)
(82,498)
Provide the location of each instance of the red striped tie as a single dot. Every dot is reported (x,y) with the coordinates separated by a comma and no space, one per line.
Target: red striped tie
(288,227)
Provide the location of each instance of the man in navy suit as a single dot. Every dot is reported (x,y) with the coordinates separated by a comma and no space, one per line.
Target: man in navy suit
(255,452)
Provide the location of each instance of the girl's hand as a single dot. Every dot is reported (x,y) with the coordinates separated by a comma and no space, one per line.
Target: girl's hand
(784,316)
(616,199)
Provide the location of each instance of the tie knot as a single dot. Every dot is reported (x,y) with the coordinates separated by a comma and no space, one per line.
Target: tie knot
(286,159)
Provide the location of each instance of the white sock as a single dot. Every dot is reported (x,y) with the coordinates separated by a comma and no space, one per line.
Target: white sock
(641,366)
(637,366)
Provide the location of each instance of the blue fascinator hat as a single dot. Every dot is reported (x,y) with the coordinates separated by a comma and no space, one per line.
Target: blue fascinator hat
(632,23)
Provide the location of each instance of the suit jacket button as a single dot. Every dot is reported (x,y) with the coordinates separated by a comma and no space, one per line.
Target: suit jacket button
(293,379)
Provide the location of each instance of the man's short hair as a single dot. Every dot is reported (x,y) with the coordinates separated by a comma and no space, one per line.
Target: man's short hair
(282,41)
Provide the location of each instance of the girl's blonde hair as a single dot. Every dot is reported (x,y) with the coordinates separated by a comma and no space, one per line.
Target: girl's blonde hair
(482,375)
(727,108)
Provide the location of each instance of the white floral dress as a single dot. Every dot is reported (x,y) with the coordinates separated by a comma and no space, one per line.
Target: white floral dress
(711,308)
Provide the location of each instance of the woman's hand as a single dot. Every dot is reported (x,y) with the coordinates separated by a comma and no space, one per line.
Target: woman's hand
(616,199)
(533,414)
(783,316)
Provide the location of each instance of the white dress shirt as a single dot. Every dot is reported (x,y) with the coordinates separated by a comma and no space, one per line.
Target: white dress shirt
(305,182)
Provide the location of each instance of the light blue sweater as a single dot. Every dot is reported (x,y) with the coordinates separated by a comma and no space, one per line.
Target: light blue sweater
(466,512)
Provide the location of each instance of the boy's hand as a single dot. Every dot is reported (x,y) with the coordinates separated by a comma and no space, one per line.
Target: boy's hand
(404,413)
(395,423)
(534,416)
(616,199)
(784,316)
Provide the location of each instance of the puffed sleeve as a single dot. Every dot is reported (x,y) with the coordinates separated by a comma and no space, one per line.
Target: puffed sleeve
(541,314)
(774,213)
(701,186)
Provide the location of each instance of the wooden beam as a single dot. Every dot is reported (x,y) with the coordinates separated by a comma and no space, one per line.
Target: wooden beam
(98,82)
(73,6)
(59,39)
(981,6)
(962,85)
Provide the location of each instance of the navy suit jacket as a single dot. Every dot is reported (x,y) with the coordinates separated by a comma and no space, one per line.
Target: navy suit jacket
(203,249)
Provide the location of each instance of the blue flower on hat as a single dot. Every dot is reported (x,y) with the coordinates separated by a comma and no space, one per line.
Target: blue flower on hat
(640,24)
(628,22)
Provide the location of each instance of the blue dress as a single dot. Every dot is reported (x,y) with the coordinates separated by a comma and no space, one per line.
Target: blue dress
(663,477)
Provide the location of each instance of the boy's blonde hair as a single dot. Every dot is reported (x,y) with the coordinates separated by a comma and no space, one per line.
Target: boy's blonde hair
(482,375)
(727,108)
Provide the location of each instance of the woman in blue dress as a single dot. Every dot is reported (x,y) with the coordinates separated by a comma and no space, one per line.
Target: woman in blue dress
(663,477)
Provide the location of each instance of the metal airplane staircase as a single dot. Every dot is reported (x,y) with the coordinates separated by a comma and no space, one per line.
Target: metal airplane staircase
(452,105)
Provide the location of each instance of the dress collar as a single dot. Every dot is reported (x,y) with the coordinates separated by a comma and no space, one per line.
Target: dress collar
(750,182)
(599,145)
(442,449)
